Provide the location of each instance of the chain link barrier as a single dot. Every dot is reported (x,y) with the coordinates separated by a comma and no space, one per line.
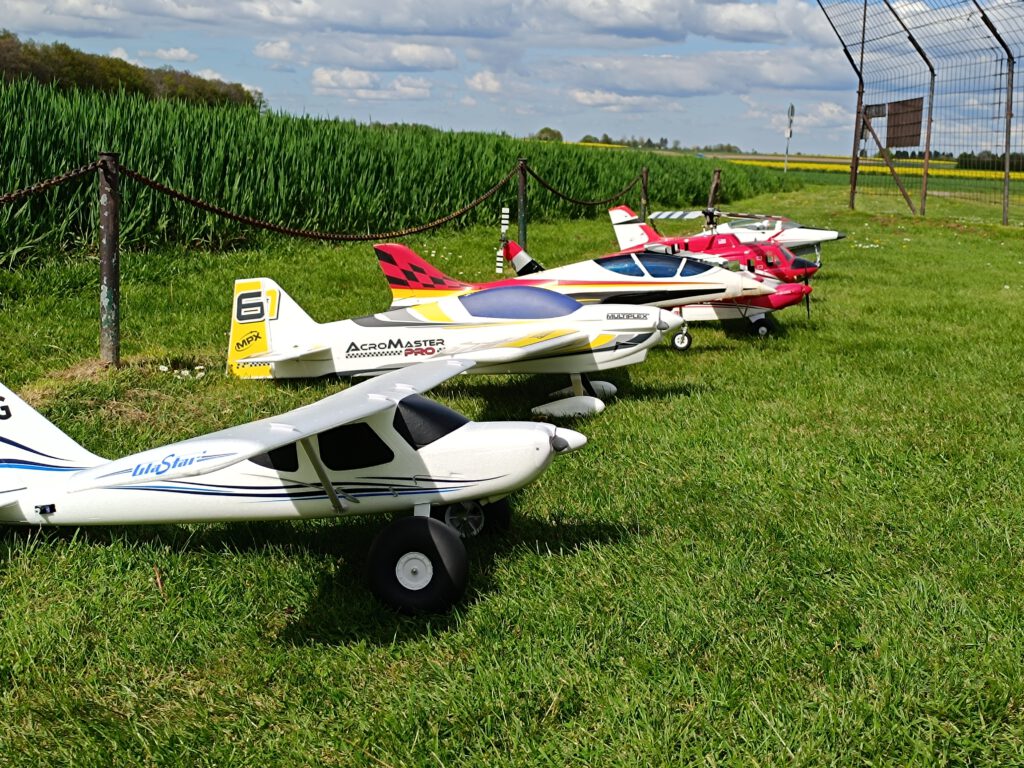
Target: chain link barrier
(77,173)
(307,233)
(42,186)
(564,196)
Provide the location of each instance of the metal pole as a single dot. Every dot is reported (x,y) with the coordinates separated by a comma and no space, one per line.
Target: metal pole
(858,124)
(931,104)
(644,192)
(110,257)
(522,203)
(1010,62)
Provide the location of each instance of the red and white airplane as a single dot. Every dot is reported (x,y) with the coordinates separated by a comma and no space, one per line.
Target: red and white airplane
(758,228)
(765,258)
(776,267)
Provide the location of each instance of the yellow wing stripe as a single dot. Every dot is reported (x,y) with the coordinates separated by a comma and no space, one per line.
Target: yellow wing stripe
(537,338)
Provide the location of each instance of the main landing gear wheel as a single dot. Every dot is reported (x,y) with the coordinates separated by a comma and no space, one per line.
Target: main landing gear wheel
(470,518)
(682,341)
(418,565)
(761,328)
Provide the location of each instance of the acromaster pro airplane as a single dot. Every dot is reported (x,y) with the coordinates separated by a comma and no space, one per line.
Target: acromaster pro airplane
(375,447)
(511,329)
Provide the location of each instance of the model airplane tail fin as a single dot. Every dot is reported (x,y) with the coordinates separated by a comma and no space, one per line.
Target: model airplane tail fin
(630,230)
(522,262)
(29,441)
(265,321)
(412,279)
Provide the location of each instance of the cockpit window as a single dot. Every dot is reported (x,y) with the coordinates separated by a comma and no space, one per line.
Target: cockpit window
(352,446)
(693,267)
(518,302)
(283,459)
(660,266)
(420,421)
(623,265)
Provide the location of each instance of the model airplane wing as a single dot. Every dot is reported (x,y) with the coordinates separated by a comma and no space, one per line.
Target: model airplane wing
(200,455)
(519,347)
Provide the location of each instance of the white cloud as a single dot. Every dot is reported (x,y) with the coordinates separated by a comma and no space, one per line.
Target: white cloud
(357,85)
(211,74)
(121,53)
(171,54)
(484,81)
(343,79)
(275,50)
(617,102)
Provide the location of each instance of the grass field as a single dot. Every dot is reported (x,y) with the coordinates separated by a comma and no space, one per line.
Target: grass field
(805,549)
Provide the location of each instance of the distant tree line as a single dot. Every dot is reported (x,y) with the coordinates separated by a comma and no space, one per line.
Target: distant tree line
(982,161)
(70,68)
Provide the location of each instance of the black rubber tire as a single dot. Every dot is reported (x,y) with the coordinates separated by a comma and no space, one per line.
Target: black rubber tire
(682,341)
(436,542)
(497,517)
(761,328)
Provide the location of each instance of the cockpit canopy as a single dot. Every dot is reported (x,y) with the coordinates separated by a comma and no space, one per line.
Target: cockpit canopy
(518,302)
(656,265)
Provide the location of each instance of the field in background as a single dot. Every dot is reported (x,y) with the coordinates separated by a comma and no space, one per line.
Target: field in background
(304,172)
(804,549)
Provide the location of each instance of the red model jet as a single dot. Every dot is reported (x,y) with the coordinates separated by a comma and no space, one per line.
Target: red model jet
(765,258)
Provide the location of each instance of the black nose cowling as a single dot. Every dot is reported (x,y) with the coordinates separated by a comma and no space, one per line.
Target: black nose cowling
(800,263)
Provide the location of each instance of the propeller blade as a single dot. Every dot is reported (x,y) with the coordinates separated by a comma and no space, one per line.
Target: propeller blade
(807,297)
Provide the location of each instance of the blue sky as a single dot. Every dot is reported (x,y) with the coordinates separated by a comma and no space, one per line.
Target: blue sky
(691,71)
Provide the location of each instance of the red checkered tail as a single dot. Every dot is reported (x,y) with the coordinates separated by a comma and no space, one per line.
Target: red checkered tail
(413,280)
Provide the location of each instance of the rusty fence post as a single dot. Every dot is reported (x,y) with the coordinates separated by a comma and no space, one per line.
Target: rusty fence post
(644,192)
(110,260)
(522,203)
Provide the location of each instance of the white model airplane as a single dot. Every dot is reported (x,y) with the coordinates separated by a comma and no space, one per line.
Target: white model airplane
(758,228)
(375,447)
(514,329)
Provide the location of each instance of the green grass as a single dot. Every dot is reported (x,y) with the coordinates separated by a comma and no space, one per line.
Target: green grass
(805,549)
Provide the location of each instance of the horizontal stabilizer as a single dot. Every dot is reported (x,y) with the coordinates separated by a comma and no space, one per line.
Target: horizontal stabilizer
(296,352)
(201,455)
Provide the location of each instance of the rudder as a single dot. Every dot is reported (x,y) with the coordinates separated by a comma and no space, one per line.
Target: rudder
(263,317)
(412,279)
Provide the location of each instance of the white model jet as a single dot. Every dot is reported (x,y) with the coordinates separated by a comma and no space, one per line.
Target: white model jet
(757,228)
(375,447)
(514,329)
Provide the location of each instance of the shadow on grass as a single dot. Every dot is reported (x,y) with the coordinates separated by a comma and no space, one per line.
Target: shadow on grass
(342,610)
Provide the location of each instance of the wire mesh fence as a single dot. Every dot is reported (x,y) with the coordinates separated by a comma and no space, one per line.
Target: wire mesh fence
(936,98)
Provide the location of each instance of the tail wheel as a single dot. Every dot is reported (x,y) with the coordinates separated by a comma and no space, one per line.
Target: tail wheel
(418,565)
(470,518)
(682,341)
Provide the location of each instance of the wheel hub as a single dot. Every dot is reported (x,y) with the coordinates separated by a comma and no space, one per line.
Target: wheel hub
(414,571)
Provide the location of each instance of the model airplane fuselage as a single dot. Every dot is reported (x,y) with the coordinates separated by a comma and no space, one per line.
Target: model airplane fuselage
(763,229)
(375,447)
(652,279)
(513,329)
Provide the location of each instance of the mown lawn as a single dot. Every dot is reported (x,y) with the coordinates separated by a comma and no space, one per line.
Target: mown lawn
(805,549)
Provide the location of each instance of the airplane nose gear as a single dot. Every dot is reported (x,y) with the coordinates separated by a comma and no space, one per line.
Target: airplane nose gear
(470,518)
(418,565)
(682,341)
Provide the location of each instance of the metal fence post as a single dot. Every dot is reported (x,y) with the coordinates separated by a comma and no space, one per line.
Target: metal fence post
(644,192)
(110,266)
(522,203)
